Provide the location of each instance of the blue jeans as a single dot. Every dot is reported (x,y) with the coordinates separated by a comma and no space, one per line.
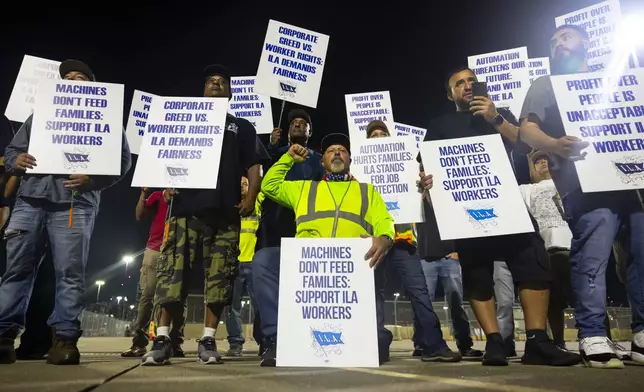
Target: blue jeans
(449,272)
(33,224)
(233,318)
(266,275)
(595,219)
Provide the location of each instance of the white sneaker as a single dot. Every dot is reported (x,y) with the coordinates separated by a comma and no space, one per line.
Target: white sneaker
(596,352)
(621,352)
(637,350)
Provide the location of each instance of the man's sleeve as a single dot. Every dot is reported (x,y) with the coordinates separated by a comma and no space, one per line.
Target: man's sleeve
(102,182)
(383,223)
(247,144)
(19,144)
(153,199)
(262,155)
(539,97)
(286,193)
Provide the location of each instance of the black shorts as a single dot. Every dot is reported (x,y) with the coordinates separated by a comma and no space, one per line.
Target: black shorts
(525,255)
(561,294)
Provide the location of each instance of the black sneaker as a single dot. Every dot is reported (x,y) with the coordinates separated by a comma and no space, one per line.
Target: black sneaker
(444,355)
(541,350)
(160,353)
(177,351)
(64,351)
(510,347)
(134,352)
(418,352)
(471,353)
(269,357)
(495,353)
(7,350)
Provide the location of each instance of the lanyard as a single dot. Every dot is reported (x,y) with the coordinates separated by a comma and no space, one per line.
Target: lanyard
(337,207)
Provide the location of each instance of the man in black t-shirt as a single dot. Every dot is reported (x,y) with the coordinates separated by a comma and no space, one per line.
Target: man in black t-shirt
(204,228)
(525,253)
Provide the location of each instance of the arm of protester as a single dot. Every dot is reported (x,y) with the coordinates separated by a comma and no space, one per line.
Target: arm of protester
(98,183)
(16,159)
(276,188)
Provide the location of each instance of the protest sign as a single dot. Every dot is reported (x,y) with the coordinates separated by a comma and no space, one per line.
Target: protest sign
(182,145)
(475,193)
(599,21)
(389,164)
(539,66)
(406,130)
(139,112)
(291,64)
(506,74)
(23,97)
(607,112)
(365,107)
(77,128)
(327,306)
(247,104)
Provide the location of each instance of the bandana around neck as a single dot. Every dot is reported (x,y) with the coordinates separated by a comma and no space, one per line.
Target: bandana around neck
(337,177)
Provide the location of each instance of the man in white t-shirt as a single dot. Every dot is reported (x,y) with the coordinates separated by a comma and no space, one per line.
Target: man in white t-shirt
(544,204)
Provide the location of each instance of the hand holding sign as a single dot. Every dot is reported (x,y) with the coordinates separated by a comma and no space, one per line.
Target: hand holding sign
(570,147)
(483,106)
(275,136)
(426,181)
(78,182)
(298,153)
(378,250)
(25,161)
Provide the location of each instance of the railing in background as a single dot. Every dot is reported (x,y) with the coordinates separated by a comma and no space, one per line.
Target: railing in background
(97,324)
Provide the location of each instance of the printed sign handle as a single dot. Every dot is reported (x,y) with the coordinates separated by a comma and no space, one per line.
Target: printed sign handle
(279,123)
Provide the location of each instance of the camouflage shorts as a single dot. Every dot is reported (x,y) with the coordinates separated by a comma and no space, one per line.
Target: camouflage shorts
(192,243)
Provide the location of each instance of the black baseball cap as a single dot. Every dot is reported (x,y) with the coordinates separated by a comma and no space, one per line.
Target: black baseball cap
(216,69)
(376,124)
(334,139)
(299,113)
(71,65)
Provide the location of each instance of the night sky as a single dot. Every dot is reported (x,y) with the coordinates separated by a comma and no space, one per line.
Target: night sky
(163,50)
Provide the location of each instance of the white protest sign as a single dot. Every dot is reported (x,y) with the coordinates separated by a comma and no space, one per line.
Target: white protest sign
(599,21)
(365,107)
(23,97)
(506,74)
(475,193)
(327,305)
(182,145)
(291,64)
(539,66)
(390,165)
(607,112)
(77,128)
(406,130)
(139,112)
(247,104)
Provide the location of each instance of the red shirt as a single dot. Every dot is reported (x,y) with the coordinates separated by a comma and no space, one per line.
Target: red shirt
(158,222)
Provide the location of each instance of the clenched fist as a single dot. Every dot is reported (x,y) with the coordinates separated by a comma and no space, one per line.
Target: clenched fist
(298,153)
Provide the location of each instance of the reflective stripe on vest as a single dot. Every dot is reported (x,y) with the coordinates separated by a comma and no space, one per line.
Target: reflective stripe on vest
(249,224)
(406,232)
(312,215)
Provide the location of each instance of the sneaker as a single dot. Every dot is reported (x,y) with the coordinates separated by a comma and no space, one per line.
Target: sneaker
(541,350)
(510,348)
(160,353)
(134,352)
(471,353)
(207,352)
(7,350)
(444,355)
(177,351)
(621,352)
(268,357)
(235,350)
(637,352)
(596,352)
(418,352)
(495,352)
(64,351)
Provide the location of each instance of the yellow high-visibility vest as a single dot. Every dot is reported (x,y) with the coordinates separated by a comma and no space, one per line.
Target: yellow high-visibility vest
(248,232)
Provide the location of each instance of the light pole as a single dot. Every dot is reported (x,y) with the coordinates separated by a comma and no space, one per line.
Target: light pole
(99,283)
(396,295)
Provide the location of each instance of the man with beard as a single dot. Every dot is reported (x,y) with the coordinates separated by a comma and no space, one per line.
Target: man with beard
(204,229)
(278,221)
(524,253)
(594,218)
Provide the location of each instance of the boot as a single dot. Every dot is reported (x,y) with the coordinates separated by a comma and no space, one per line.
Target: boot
(64,350)
(7,351)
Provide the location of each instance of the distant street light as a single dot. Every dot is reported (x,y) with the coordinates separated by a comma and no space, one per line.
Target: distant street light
(127,259)
(118,299)
(131,307)
(99,283)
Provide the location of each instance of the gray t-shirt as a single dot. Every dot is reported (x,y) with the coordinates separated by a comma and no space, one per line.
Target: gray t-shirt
(540,107)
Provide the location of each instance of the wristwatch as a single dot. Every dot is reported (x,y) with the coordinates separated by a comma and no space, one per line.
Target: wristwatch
(390,241)
(498,120)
